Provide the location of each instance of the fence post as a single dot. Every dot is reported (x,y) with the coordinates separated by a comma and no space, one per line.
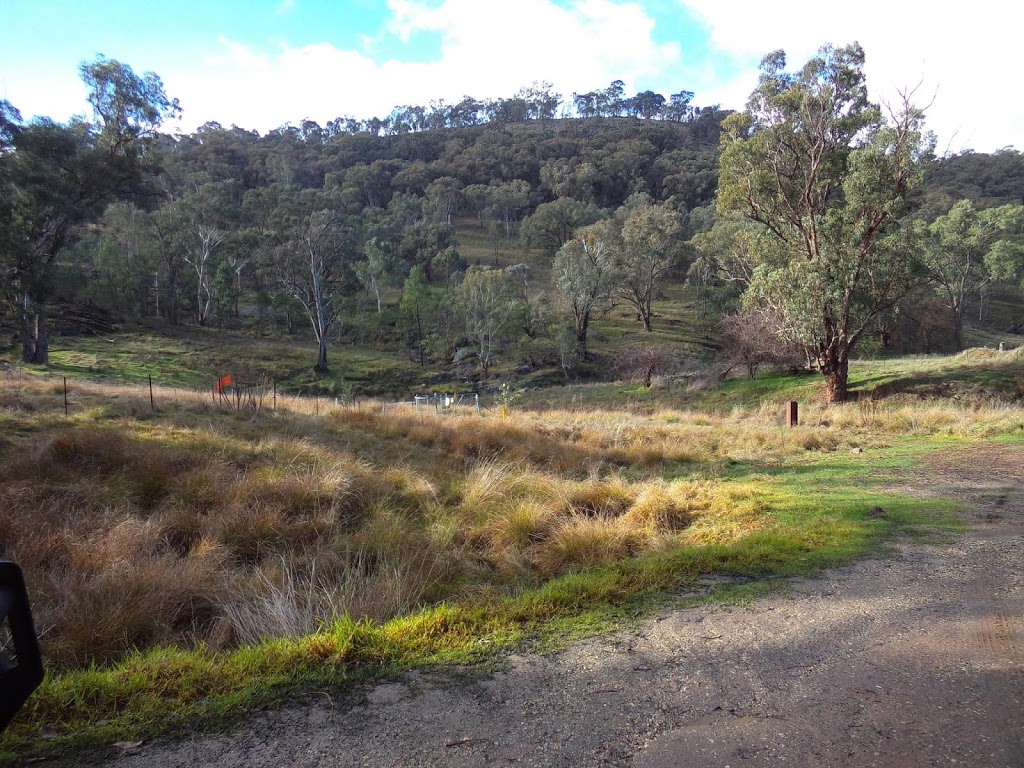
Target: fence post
(275,394)
(152,402)
(792,416)
(65,397)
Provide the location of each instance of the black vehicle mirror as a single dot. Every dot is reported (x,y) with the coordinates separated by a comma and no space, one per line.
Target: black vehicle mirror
(21,665)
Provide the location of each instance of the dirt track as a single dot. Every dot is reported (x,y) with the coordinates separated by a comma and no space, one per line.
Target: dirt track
(910,660)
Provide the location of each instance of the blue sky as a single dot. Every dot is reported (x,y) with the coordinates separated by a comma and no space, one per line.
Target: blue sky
(263,63)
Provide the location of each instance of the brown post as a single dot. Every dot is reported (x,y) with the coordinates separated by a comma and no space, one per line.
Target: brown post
(152,403)
(792,419)
(275,394)
(65,397)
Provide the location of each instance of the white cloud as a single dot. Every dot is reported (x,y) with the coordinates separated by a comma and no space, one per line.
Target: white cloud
(482,54)
(45,93)
(961,54)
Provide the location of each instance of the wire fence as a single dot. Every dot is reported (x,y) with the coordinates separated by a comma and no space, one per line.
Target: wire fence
(263,395)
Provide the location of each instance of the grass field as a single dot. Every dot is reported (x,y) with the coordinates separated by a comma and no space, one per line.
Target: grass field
(193,559)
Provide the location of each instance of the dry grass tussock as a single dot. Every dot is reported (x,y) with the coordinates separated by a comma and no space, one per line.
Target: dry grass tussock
(541,526)
(198,524)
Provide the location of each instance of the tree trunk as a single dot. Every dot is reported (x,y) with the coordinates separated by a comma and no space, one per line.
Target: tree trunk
(958,330)
(321,357)
(35,337)
(42,356)
(28,341)
(582,326)
(238,291)
(837,373)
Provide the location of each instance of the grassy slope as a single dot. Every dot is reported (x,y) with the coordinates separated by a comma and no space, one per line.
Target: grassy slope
(195,357)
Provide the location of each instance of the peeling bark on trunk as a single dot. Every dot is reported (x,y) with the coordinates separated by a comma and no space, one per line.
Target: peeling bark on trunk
(34,334)
(321,357)
(836,369)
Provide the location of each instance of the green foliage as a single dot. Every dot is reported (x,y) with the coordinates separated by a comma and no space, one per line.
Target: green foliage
(221,241)
(507,395)
(487,301)
(987,180)
(127,107)
(652,246)
(417,308)
(966,249)
(586,274)
(54,177)
(813,162)
(551,225)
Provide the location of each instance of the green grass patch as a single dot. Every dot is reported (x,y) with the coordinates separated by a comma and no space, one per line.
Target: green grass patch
(195,358)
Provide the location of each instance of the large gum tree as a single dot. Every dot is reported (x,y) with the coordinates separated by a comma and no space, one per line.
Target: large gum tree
(825,173)
(55,178)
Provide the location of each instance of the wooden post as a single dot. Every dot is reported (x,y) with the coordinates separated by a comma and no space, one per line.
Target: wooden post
(152,402)
(792,417)
(65,397)
(275,394)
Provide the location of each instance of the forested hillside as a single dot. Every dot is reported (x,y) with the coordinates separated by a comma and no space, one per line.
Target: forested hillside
(458,237)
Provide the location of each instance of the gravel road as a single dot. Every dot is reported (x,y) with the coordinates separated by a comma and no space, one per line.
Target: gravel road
(915,659)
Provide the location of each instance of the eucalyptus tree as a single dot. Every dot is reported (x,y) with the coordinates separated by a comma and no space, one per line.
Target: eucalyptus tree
(586,274)
(444,195)
(375,271)
(646,104)
(652,246)
(313,243)
(418,305)
(678,107)
(478,198)
(56,177)
(207,216)
(487,301)
(126,261)
(509,199)
(826,175)
(966,249)
(552,224)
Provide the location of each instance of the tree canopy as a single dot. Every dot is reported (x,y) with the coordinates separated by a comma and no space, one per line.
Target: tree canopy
(826,176)
(54,177)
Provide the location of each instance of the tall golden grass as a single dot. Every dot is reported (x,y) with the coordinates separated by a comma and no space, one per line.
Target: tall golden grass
(195,523)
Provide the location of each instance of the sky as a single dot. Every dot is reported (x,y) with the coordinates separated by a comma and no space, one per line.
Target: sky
(261,64)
